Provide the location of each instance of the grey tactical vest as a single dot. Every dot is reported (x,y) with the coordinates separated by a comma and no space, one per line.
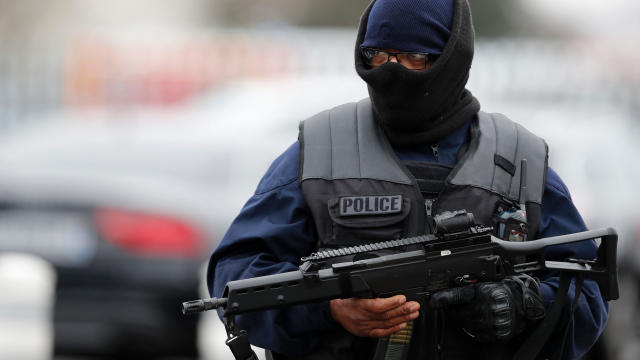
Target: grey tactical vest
(359,192)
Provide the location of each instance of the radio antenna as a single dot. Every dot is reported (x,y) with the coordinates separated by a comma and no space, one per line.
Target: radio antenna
(523,184)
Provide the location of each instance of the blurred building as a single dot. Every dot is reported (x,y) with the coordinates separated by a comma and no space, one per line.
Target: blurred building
(73,53)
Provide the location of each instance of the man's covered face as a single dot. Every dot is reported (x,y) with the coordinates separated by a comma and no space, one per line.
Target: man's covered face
(415,57)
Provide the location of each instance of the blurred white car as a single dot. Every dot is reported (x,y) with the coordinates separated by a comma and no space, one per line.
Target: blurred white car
(127,206)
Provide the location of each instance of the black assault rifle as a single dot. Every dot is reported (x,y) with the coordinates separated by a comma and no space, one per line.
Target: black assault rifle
(460,253)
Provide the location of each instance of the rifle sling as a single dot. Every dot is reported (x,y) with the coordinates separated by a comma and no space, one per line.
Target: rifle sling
(535,342)
(576,298)
(240,347)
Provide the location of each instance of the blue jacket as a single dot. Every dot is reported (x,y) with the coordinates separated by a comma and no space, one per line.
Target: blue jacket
(275,229)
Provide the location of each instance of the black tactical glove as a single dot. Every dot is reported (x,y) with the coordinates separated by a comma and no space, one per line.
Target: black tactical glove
(494,311)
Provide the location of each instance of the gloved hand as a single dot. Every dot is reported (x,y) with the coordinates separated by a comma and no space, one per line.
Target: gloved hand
(494,311)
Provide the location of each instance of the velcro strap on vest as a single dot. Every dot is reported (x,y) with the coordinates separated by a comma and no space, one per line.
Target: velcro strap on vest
(507,165)
(429,176)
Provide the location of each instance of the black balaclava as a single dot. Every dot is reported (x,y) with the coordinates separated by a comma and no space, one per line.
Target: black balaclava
(422,107)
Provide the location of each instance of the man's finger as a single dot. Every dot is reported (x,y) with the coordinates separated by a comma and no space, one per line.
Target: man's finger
(379,333)
(388,323)
(402,310)
(383,304)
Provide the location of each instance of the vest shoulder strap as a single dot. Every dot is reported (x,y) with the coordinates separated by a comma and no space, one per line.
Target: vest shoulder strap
(346,143)
(493,159)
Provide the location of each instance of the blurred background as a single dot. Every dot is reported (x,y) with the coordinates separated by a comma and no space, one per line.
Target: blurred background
(132,132)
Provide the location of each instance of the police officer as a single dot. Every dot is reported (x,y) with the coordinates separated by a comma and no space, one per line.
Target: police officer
(382,168)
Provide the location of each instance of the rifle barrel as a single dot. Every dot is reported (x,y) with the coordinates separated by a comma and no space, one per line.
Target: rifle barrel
(196,306)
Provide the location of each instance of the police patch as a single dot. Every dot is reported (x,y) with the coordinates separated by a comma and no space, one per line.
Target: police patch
(370,205)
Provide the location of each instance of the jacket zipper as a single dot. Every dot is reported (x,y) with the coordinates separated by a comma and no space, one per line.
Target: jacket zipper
(435,149)
(428,207)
